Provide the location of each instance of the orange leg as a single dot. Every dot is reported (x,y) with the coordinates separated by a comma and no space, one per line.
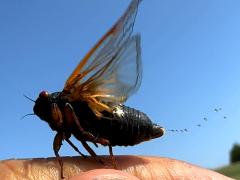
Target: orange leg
(57,143)
(84,136)
(75,148)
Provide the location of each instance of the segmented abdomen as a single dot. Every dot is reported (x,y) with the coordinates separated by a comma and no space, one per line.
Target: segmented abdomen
(126,126)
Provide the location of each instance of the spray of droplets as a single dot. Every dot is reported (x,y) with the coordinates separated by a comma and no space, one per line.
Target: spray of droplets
(217,110)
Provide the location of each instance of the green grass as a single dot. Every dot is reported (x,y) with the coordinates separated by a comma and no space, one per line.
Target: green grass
(232,170)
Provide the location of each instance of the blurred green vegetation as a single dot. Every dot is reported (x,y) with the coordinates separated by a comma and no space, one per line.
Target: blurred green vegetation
(232,170)
(235,153)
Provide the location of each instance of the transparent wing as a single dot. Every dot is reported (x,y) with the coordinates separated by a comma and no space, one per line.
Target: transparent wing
(105,49)
(111,71)
(120,77)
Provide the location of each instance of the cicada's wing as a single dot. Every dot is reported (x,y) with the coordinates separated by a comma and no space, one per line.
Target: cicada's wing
(111,71)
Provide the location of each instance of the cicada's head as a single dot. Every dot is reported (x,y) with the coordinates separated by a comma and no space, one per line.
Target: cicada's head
(42,107)
(46,108)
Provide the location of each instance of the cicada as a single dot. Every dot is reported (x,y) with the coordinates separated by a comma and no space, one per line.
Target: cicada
(91,105)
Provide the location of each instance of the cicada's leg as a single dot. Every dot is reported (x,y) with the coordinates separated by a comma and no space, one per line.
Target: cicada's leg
(57,117)
(112,157)
(57,122)
(83,135)
(91,152)
(75,148)
(57,143)
(71,117)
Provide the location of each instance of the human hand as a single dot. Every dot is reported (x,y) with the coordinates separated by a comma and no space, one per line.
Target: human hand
(129,167)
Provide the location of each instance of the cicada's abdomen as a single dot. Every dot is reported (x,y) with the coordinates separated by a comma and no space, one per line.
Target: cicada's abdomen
(128,127)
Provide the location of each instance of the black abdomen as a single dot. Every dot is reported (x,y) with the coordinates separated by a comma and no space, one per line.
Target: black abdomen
(124,127)
(127,126)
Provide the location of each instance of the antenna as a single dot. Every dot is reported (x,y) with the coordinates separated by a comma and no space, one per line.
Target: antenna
(30,114)
(28,98)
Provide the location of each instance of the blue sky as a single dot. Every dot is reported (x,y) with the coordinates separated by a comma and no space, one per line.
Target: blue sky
(191,62)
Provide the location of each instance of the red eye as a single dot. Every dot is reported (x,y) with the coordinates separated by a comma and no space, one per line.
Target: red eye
(43,94)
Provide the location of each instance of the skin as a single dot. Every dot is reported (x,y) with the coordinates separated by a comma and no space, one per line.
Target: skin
(129,167)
